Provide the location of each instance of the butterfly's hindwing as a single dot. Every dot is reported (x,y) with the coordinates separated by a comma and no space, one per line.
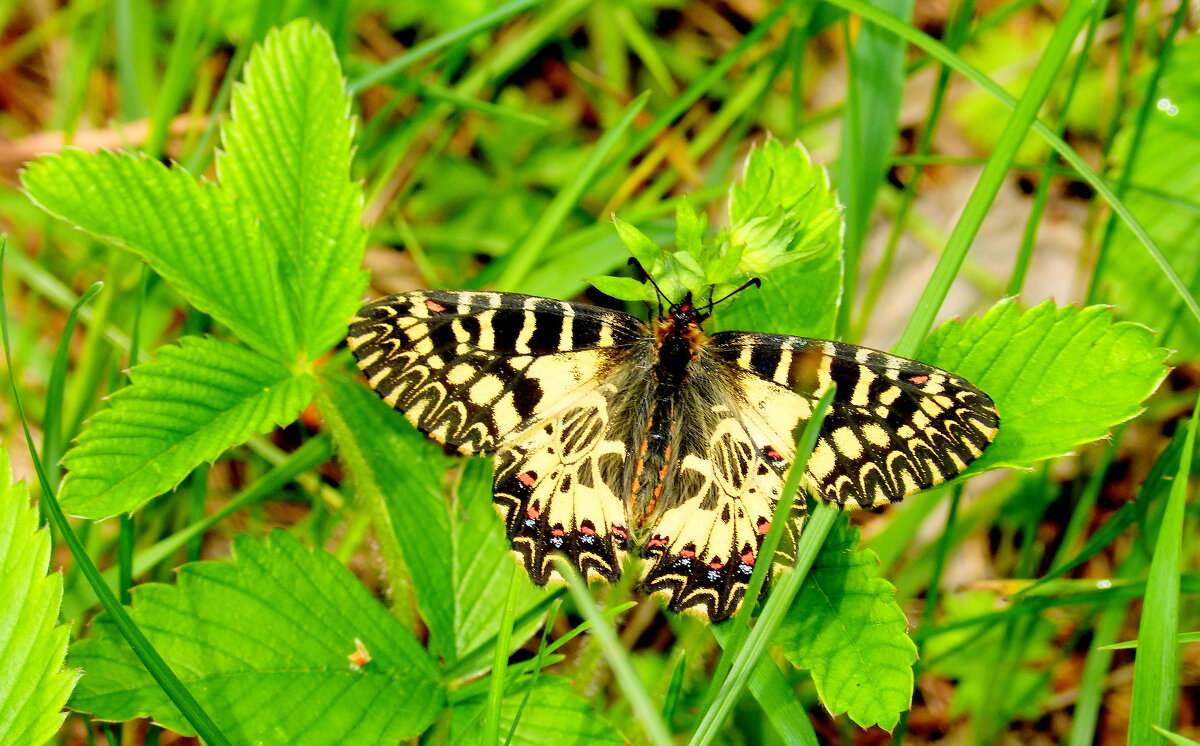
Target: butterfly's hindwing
(474,370)
(559,487)
(896,426)
(702,548)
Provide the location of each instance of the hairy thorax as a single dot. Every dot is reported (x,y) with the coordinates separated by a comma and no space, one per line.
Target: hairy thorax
(679,349)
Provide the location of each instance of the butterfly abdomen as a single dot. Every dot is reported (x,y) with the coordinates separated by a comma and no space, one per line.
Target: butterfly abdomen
(677,346)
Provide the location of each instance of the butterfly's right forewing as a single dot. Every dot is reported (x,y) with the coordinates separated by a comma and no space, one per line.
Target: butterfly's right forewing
(896,426)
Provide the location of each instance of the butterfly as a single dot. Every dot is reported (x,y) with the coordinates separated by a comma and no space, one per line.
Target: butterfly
(612,436)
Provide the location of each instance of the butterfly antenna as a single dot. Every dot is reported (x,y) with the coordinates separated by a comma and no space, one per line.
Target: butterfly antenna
(752,281)
(633,262)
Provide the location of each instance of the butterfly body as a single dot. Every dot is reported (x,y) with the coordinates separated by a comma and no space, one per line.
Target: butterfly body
(612,436)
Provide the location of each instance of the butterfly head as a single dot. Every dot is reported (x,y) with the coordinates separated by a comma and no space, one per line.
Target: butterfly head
(685,314)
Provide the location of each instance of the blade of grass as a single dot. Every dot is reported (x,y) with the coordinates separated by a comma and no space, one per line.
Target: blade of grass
(741,658)
(525,255)
(52,425)
(1162,60)
(150,658)
(385,72)
(189,45)
(133,58)
(264,12)
(955,34)
(1093,677)
(1023,116)
(538,663)
(1183,638)
(1097,542)
(754,651)
(1068,593)
(617,657)
(945,539)
(1129,27)
(671,701)
(491,724)
(714,74)
(1016,281)
(875,68)
(1156,668)
(478,686)
(1174,738)
(939,52)
(777,699)
(1082,511)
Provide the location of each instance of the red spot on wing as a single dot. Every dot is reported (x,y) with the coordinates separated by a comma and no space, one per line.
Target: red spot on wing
(434,306)
(748,558)
(763,526)
(716,565)
(688,553)
(919,380)
(620,531)
(556,531)
(533,513)
(586,528)
(527,478)
(656,543)
(773,454)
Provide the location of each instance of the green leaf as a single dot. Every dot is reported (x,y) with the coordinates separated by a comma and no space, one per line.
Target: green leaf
(789,225)
(639,244)
(481,563)
(783,210)
(801,298)
(207,244)
(846,627)
(263,642)
(623,288)
(33,686)
(397,476)
(287,153)
(181,409)
(1060,377)
(554,715)
(691,227)
(1164,183)
(452,552)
